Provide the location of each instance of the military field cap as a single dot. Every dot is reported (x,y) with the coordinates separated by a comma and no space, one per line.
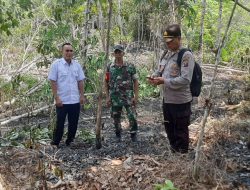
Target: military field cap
(172,32)
(118,47)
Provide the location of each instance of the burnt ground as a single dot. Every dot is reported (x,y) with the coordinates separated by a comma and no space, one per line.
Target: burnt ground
(224,162)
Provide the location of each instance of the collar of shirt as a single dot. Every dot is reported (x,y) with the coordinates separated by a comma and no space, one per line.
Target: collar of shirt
(65,62)
(172,53)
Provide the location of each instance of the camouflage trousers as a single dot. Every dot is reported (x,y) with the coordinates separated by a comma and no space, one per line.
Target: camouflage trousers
(116,112)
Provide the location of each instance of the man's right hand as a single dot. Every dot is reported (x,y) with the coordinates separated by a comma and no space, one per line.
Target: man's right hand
(156,81)
(108,101)
(58,102)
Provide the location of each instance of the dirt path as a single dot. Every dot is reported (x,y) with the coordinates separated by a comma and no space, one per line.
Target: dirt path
(135,166)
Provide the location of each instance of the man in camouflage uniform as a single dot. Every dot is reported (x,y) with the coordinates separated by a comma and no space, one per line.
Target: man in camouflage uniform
(122,91)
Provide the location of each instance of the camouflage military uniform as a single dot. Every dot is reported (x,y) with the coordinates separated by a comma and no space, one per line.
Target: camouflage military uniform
(121,91)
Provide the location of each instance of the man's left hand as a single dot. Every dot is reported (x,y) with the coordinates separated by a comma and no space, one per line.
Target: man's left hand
(82,99)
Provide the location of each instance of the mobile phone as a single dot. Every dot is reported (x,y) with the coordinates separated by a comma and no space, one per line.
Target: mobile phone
(149,77)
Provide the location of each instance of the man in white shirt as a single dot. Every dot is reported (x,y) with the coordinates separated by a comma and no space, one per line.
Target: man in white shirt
(67,83)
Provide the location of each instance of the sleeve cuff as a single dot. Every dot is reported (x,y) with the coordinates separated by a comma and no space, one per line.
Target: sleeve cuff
(135,76)
(52,78)
(81,79)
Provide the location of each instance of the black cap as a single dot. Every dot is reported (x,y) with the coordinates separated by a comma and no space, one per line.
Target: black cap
(118,47)
(172,31)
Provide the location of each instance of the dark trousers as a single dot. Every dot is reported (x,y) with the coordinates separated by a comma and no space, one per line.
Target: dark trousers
(73,111)
(176,121)
(116,112)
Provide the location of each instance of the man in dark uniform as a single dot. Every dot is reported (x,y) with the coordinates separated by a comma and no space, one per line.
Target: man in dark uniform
(177,96)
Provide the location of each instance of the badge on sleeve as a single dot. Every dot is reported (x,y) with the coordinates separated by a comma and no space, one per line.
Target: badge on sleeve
(186,60)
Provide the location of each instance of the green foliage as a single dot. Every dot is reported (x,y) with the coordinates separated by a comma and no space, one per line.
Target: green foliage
(45,63)
(146,90)
(86,135)
(25,4)
(18,88)
(18,85)
(29,80)
(94,66)
(43,94)
(11,12)
(236,41)
(186,11)
(20,136)
(117,37)
(168,185)
(49,37)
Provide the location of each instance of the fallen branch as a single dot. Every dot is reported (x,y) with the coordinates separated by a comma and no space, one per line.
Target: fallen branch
(147,158)
(8,104)
(224,69)
(220,66)
(14,118)
(90,94)
(35,88)
(233,107)
(93,118)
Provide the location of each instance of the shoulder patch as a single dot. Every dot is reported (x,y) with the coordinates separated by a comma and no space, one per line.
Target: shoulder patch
(185,60)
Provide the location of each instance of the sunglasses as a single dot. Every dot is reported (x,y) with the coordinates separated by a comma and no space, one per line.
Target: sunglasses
(69,50)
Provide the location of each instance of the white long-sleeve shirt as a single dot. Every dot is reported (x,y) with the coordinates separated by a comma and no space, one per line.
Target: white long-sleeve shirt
(67,77)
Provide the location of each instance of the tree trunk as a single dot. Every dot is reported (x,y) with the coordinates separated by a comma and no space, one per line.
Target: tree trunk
(172,11)
(208,100)
(86,31)
(219,26)
(120,19)
(139,19)
(102,79)
(142,26)
(200,48)
(100,23)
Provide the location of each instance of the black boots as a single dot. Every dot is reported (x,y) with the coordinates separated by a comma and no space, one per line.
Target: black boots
(118,136)
(134,137)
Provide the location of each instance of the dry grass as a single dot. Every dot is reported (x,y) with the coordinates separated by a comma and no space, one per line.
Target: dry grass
(133,172)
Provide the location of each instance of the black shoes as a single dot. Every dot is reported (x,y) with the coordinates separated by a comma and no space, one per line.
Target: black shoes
(134,137)
(118,136)
(67,142)
(54,144)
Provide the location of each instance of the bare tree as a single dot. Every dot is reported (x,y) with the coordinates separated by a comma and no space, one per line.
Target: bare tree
(208,104)
(120,18)
(102,78)
(219,25)
(172,8)
(200,48)
(101,23)
(86,32)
